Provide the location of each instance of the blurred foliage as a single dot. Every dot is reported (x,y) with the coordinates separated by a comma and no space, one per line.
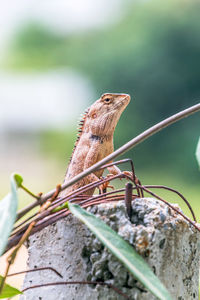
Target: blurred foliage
(153,54)
(57,143)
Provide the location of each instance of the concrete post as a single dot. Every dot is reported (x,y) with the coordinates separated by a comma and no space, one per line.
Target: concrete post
(166,241)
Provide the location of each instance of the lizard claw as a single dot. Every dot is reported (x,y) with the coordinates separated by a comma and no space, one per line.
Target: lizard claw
(105,185)
(128,173)
(133,177)
(124,174)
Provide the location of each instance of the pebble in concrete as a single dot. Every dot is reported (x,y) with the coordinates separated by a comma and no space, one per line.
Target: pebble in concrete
(166,241)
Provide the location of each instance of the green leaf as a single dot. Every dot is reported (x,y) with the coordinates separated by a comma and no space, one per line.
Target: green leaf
(8,209)
(198,152)
(123,251)
(18,178)
(8,291)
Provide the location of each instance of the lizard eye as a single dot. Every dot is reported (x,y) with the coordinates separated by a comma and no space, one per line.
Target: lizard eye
(107,100)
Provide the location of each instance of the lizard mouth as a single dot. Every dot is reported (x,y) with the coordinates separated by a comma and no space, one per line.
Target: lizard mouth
(127,97)
(123,102)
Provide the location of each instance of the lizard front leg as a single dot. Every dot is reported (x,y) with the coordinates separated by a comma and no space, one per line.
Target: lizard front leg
(114,170)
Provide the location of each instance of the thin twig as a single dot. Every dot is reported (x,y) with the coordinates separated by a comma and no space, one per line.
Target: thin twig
(35,270)
(52,217)
(118,291)
(171,206)
(29,192)
(178,193)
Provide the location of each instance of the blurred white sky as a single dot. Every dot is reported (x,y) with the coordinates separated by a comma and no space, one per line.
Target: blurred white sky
(44,100)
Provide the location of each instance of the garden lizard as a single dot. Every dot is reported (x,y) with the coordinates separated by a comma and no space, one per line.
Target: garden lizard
(95,139)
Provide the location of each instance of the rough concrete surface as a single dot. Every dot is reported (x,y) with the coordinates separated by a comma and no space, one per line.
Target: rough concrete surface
(166,241)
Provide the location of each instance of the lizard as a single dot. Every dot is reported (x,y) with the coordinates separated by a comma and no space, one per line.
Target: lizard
(95,139)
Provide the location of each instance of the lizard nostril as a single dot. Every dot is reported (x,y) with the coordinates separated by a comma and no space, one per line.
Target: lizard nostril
(128,97)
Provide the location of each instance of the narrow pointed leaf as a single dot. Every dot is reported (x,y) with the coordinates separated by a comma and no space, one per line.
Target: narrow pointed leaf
(198,152)
(123,251)
(8,209)
(8,291)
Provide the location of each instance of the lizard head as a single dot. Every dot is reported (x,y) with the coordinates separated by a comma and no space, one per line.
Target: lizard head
(104,114)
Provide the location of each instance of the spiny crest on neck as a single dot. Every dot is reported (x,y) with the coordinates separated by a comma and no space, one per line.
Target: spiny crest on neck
(81,124)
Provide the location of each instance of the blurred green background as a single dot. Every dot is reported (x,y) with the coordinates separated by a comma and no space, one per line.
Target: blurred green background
(149,49)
